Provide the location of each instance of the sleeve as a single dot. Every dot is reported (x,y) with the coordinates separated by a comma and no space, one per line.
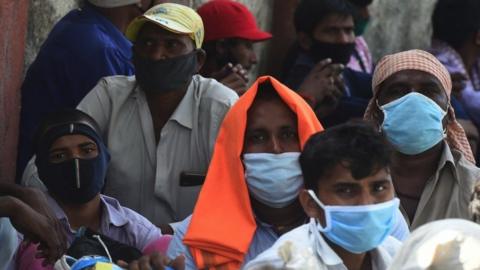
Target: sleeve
(177,247)
(471,101)
(98,105)
(30,176)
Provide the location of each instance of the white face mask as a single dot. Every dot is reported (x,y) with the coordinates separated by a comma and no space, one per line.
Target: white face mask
(273,179)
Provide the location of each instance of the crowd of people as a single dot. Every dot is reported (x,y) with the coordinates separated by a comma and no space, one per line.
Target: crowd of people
(145,143)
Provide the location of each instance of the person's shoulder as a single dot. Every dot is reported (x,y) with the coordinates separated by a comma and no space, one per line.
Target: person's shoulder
(118,85)
(293,246)
(123,216)
(209,90)
(466,171)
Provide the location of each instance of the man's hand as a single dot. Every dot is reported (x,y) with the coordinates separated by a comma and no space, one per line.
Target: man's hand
(155,261)
(458,83)
(323,84)
(234,77)
(37,228)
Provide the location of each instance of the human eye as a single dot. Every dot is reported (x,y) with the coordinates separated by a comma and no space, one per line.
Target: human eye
(147,42)
(289,134)
(346,191)
(380,187)
(257,137)
(89,150)
(56,157)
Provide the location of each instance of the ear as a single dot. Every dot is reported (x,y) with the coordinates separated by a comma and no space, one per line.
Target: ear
(201,57)
(220,47)
(310,207)
(477,38)
(304,41)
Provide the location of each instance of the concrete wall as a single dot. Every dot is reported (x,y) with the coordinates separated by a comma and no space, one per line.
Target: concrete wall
(13,22)
(399,25)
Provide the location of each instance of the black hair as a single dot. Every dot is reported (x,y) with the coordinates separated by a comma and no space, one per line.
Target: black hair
(310,12)
(64,116)
(361,3)
(357,146)
(455,21)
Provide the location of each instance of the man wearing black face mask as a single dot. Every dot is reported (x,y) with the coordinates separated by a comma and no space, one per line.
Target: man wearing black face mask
(163,122)
(325,30)
(72,162)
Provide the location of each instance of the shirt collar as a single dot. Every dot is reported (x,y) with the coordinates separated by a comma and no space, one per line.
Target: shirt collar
(112,213)
(183,114)
(446,160)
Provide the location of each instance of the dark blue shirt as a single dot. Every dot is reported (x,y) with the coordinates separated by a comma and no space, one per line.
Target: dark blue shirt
(83,47)
(357,95)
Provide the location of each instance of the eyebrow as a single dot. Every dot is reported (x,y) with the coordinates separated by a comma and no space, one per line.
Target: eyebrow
(66,148)
(383,181)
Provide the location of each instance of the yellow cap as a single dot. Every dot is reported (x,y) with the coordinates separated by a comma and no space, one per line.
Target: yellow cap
(175,18)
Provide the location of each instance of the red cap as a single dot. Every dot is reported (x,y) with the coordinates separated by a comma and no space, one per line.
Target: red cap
(229,19)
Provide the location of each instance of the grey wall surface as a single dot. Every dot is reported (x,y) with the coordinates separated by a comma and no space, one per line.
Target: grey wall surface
(399,25)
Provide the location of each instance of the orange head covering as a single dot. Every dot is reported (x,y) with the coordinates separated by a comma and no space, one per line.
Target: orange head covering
(222,224)
(423,61)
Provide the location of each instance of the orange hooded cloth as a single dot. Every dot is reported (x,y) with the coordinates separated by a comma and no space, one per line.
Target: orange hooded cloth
(222,224)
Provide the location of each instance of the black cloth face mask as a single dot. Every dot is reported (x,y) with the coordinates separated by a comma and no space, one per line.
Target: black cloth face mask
(338,52)
(74,181)
(162,76)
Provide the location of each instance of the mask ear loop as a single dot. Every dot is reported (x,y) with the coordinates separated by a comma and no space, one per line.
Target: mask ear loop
(380,109)
(326,212)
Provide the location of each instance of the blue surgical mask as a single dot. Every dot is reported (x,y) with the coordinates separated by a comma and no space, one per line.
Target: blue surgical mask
(273,179)
(358,228)
(413,123)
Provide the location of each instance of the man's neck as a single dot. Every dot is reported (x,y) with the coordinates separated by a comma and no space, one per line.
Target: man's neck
(162,107)
(87,214)
(117,16)
(410,173)
(283,219)
(351,260)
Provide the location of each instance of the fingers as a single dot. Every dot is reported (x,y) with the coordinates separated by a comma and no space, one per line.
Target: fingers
(333,70)
(178,263)
(243,73)
(236,82)
(321,65)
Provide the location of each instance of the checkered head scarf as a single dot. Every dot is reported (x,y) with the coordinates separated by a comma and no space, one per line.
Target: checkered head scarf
(423,61)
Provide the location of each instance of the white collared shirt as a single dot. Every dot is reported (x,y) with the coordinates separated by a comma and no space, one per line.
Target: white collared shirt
(144,174)
(300,249)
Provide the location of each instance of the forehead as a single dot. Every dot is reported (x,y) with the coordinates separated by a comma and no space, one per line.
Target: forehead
(70,141)
(340,173)
(415,79)
(335,20)
(154,31)
(270,113)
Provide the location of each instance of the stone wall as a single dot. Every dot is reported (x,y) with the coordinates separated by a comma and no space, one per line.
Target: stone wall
(399,25)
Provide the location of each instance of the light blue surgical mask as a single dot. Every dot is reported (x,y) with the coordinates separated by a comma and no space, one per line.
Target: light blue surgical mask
(358,228)
(413,123)
(273,179)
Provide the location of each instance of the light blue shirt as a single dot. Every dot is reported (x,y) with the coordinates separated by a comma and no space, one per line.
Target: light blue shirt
(263,239)
(8,243)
